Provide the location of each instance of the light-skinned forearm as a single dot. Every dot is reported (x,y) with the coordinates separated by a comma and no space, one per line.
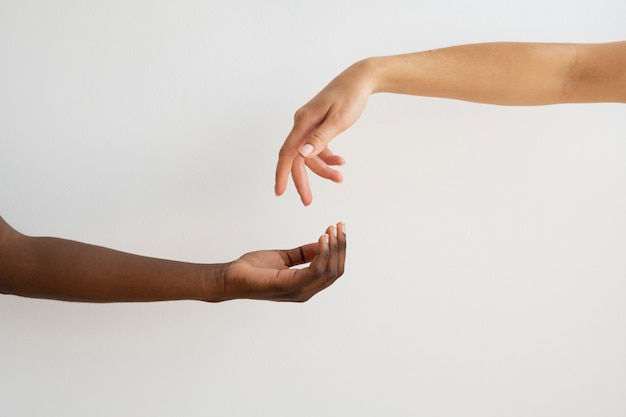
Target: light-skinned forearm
(506,73)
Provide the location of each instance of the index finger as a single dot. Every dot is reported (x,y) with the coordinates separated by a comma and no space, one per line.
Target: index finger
(288,152)
(300,255)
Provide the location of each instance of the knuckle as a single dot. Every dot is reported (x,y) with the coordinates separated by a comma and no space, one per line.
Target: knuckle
(317,137)
(284,152)
(302,114)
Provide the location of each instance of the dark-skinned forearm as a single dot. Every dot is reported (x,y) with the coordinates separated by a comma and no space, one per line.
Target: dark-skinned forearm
(62,269)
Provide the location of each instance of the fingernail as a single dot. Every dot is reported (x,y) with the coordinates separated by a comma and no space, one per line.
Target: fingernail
(306,149)
(334,231)
(326,238)
(343,228)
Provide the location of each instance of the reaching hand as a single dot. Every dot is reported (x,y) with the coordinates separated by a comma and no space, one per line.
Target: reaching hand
(505,73)
(330,112)
(60,269)
(267,274)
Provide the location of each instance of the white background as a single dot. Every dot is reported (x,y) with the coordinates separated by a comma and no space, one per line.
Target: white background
(486,262)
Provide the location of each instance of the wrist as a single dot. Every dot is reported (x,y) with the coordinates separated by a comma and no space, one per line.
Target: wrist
(399,74)
(213,282)
(367,74)
(379,71)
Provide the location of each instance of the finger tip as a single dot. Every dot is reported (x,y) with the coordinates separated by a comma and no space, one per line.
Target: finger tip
(279,188)
(306,200)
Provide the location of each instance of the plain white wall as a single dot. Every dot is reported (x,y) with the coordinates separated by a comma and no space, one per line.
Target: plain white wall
(486,263)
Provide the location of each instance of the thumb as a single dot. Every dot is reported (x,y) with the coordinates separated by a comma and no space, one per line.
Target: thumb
(300,255)
(318,140)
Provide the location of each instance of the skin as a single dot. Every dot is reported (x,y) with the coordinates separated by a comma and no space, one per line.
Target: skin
(53,268)
(513,74)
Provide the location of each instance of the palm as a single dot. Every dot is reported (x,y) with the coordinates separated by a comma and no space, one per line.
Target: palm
(261,274)
(269,274)
(264,259)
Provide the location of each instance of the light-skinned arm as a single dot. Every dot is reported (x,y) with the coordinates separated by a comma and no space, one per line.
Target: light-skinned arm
(503,73)
(53,268)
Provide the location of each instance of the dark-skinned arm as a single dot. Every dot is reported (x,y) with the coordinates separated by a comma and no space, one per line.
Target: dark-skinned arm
(54,268)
